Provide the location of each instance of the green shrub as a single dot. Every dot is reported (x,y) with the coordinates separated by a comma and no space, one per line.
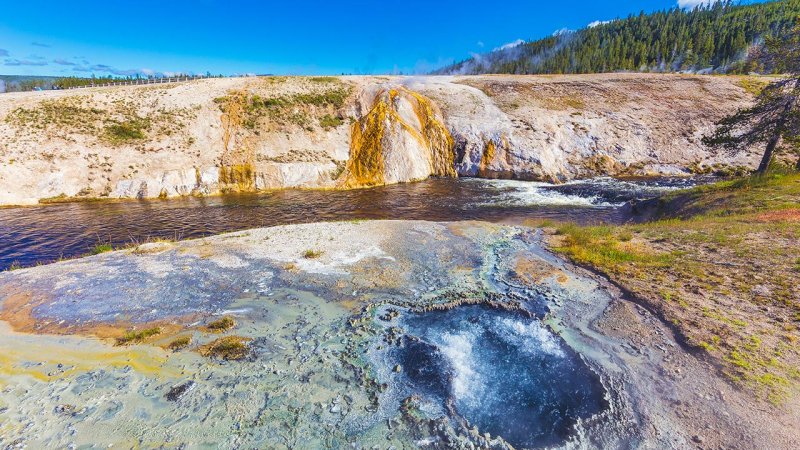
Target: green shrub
(180,342)
(329,121)
(227,348)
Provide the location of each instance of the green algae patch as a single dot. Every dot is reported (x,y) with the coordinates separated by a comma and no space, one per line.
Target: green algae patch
(52,357)
(135,337)
(229,348)
(489,151)
(64,198)
(243,176)
(221,325)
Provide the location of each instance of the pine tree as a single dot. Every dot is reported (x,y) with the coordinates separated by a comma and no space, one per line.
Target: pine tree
(775,116)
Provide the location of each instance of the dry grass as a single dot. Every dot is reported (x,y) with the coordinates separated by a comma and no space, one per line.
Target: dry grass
(221,325)
(137,336)
(229,348)
(179,343)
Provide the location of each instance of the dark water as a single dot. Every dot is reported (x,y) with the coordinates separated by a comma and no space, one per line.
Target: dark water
(506,374)
(31,235)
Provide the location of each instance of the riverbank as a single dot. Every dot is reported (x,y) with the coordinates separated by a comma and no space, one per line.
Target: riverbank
(721,263)
(259,133)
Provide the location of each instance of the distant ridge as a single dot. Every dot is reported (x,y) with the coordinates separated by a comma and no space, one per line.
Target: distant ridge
(707,39)
(15,83)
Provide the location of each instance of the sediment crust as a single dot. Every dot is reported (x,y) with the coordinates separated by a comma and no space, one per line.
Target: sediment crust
(303,329)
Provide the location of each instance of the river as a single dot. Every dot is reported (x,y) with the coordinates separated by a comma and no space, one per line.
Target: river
(42,234)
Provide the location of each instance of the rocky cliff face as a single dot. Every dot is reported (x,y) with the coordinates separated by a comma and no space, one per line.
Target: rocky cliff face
(245,134)
(400,137)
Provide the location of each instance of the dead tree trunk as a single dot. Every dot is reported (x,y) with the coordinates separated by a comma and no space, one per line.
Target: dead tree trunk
(768,152)
(776,137)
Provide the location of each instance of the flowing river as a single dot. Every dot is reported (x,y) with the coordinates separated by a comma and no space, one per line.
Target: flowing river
(41,234)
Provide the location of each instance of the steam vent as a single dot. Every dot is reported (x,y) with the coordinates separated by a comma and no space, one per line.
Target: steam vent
(401,138)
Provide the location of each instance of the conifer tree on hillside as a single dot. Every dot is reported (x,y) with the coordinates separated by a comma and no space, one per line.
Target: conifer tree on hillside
(774,119)
(717,37)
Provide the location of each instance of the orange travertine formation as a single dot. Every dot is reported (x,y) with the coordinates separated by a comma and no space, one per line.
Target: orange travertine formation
(371,136)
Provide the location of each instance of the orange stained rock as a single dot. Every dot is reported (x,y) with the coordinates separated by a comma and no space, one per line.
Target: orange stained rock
(489,151)
(17,310)
(366,164)
(532,271)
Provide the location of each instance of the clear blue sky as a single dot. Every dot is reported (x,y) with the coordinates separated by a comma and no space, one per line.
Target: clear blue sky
(285,37)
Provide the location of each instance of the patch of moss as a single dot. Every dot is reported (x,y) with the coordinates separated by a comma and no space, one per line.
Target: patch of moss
(180,342)
(134,336)
(223,324)
(229,348)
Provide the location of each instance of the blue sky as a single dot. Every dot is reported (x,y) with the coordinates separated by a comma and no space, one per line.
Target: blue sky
(286,37)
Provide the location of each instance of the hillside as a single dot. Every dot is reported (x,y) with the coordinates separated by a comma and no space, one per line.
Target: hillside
(244,134)
(715,38)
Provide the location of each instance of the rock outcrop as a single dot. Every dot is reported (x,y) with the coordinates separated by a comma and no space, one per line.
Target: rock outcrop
(246,134)
(400,138)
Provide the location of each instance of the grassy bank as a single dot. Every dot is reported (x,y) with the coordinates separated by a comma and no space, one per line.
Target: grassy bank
(722,263)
